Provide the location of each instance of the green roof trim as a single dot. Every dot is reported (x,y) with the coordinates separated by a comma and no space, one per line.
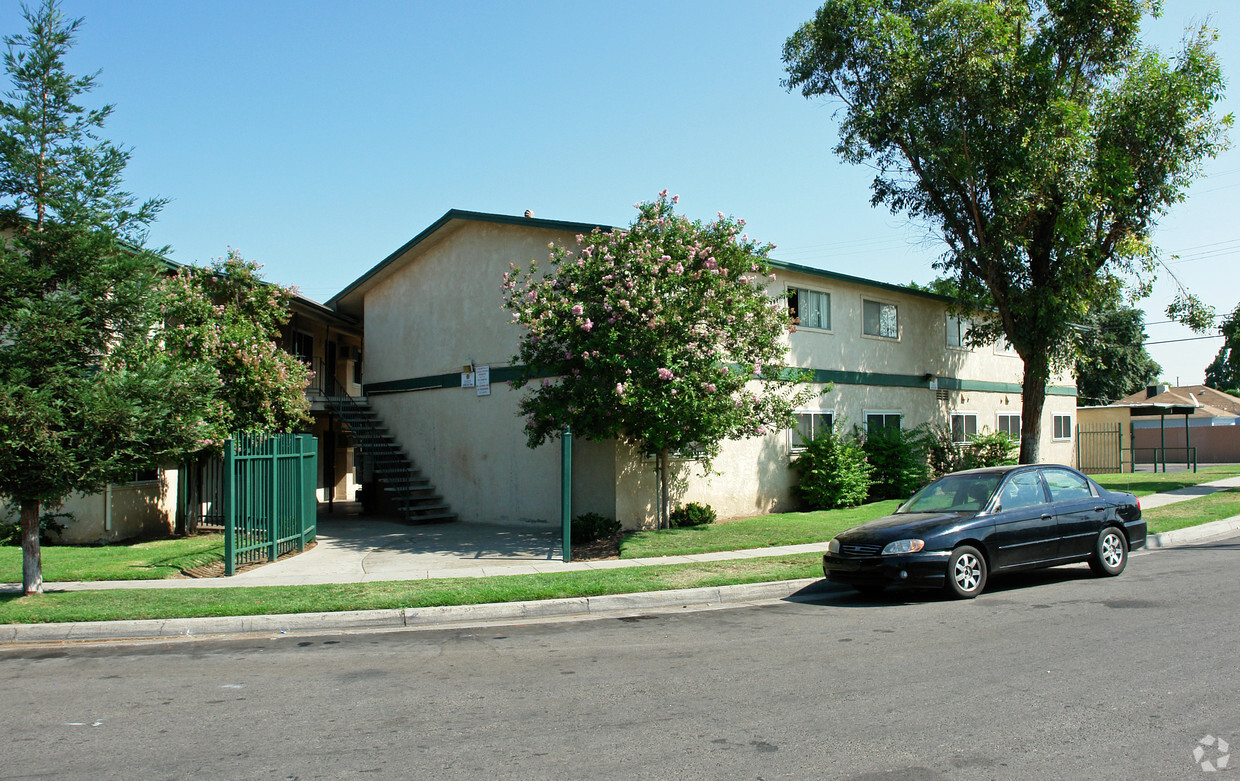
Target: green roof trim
(836,376)
(459,214)
(838,277)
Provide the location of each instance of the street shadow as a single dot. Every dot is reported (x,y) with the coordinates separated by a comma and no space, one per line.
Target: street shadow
(829,594)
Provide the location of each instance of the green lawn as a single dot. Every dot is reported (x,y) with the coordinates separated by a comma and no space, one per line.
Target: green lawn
(761,532)
(184,603)
(151,560)
(1193,512)
(1144,483)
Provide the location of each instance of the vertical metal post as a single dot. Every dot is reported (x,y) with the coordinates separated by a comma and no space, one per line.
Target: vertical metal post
(1188,453)
(230,520)
(273,470)
(566,492)
(1162,428)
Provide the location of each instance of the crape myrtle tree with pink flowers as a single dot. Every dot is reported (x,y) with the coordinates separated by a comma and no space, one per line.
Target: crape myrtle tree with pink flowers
(227,316)
(662,336)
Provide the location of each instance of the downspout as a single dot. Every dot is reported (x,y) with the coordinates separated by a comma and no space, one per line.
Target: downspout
(107,508)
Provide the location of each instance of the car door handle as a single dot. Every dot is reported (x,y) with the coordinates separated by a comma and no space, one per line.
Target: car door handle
(1047,516)
(1100,509)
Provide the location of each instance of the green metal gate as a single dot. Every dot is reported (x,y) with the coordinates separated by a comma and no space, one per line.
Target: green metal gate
(269,499)
(1099,447)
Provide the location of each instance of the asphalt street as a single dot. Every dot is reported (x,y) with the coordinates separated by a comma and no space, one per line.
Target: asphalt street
(1054,674)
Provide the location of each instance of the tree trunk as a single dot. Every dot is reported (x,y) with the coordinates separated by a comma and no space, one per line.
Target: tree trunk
(665,513)
(1033,398)
(32,560)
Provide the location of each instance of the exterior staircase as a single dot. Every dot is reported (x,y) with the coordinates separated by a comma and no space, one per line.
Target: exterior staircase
(412,494)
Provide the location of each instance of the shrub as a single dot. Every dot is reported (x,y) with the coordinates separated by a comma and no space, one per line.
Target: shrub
(943,454)
(834,472)
(692,514)
(11,531)
(899,460)
(992,449)
(589,527)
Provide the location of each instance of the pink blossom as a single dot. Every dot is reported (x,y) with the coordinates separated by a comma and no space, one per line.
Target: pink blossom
(675,199)
(619,388)
(665,374)
(578,309)
(587,325)
(663,193)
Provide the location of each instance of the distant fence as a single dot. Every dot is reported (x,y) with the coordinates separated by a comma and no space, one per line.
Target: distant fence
(1099,447)
(269,502)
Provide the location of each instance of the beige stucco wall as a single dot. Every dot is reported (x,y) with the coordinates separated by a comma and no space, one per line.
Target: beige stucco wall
(144,509)
(439,309)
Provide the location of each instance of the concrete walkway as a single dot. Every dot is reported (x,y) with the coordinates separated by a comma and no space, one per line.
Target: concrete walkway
(359,549)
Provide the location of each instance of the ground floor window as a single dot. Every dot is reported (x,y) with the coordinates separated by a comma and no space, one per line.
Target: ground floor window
(964,426)
(875,421)
(811,426)
(1063,427)
(1009,423)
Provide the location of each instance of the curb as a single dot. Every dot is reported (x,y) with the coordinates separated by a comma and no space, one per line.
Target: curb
(1193,533)
(402,618)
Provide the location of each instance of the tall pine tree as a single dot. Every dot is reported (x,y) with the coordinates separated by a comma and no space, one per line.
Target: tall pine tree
(87,393)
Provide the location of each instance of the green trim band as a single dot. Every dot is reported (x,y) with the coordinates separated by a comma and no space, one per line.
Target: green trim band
(836,376)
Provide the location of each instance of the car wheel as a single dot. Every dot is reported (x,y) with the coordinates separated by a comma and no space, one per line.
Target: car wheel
(1110,553)
(966,572)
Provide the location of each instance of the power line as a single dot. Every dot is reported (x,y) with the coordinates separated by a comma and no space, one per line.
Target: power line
(1186,339)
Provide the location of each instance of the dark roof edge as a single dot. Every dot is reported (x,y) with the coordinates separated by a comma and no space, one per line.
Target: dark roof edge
(460,214)
(819,272)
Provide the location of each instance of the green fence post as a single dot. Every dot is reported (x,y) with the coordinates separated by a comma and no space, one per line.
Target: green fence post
(273,460)
(566,492)
(230,519)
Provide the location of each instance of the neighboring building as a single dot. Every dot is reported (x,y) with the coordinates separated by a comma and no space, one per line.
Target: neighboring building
(159,501)
(439,343)
(1163,422)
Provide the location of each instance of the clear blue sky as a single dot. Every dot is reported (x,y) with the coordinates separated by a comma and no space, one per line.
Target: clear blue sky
(317,137)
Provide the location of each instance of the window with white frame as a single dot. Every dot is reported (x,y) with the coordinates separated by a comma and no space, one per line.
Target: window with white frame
(810,308)
(303,346)
(957,330)
(880,319)
(964,426)
(1063,427)
(810,425)
(876,421)
(1004,347)
(1009,423)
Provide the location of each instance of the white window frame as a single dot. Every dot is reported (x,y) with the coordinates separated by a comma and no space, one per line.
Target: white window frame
(952,427)
(800,323)
(1055,436)
(961,326)
(794,441)
(298,335)
(1000,416)
(1004,347)
(881,303)
(865,415)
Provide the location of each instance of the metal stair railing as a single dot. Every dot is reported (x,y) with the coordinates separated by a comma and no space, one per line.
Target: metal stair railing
(412,493)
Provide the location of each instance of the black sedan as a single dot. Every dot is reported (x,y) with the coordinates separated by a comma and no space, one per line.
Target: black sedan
(956,531)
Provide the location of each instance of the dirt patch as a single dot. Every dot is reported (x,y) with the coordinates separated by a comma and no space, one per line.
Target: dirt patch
(599,550)
(216,568)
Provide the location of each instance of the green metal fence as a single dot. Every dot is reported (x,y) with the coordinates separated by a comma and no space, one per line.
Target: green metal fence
(269,500)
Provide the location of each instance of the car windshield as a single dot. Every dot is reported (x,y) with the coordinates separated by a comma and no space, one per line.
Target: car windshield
(954,493)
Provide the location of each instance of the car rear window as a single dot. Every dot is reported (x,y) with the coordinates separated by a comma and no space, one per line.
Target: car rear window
(1066,486)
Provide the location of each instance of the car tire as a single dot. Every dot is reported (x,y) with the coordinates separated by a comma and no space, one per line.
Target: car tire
(1110,553)
(966,572)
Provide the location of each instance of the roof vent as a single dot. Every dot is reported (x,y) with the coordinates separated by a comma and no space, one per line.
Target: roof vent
(529,213)
(1155,390)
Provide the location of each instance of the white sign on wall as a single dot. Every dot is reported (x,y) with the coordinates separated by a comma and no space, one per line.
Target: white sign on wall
(467,379)
(482,375)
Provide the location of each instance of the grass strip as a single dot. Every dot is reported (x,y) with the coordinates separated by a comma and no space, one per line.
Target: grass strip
(150,560)
(747,533)
(1145,483)
(1192,512)
(262,600)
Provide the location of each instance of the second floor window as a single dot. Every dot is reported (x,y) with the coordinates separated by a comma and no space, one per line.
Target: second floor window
(880,319)
(957,331)
(303,346)
(810,308)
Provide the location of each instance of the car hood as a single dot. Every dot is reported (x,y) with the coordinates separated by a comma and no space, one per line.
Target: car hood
(901,525)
